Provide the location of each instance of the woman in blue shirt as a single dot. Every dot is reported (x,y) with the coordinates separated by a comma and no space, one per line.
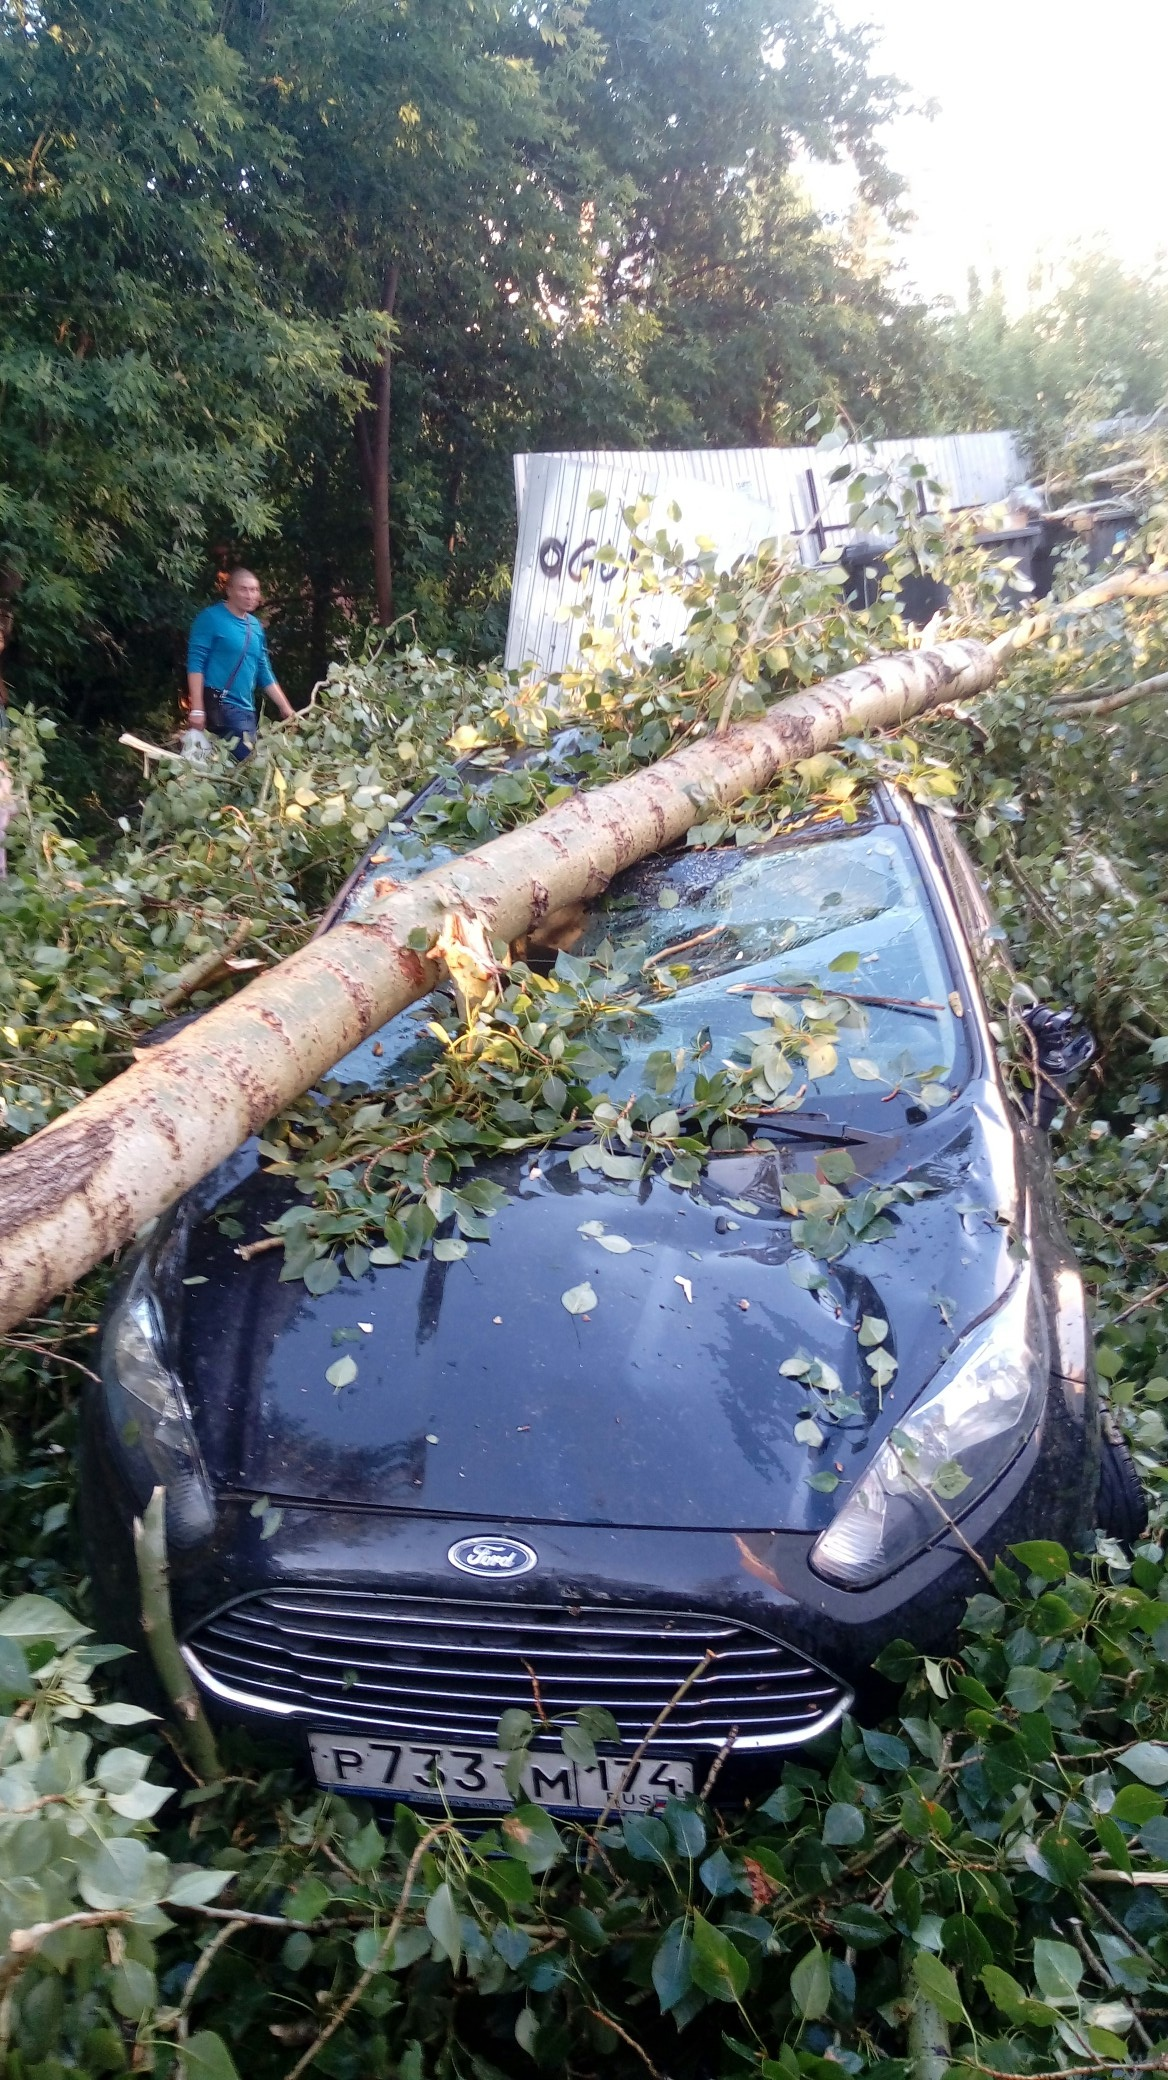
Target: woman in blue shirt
(227,658)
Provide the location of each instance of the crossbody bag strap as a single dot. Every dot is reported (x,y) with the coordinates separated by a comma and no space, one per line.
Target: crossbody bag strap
(239,660)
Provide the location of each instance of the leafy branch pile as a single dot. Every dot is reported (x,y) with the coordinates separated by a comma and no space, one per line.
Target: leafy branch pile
(97,944)
(975,1865)
(979,1879)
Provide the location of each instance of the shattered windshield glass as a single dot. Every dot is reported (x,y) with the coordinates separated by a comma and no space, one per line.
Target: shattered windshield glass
(816,957)
(831,935)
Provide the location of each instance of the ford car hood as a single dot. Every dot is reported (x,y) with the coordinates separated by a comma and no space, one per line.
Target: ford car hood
(479,1394)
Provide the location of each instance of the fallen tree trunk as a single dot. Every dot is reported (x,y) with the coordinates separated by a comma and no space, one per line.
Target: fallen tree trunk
(87,1182)
(1123,584)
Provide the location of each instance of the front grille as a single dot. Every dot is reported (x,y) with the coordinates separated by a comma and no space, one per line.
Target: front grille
(446,1669)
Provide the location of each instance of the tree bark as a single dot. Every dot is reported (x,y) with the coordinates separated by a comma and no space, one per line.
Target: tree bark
(90,1180)
(320,576)
(371,430)
(1121,585)
(162,1640)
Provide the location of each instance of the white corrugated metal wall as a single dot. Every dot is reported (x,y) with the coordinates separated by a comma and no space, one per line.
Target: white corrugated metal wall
(557,527)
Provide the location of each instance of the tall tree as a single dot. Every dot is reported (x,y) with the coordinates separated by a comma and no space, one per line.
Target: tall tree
(1092,339)
(593,234)
(148,363)
(443,179)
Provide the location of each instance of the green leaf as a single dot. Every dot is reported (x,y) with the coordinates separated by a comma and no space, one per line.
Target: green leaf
(598,1723)
(843,1826)
(342,1373)
(192,1886)
(133,1989)
(897,1660)
(1057,1967)
(409,1946)
(579,1299)
(1113,1841)
(515,1728)
(368,1949)
(872,1330)
(321,1275)
(365,1849)
(715,1964)
(965,1943)
(1029,1689)
(950,1480)
(1106,2043)
(1135,1804)
(785,1804)
(510,1879)
(1147,1760)
(882,1366)
(719,1875)
(937,1984)
(1043,1557)
(811,1985)
(859,1926)
(530,1835)
(647,1838)
(1082,1668)
(687,1829)
(448,1249)
(118,1714)
(671,1972)
(308,1901)
(442,1920)
(15,1676)
(1064,1854)
(577,1744)
(205,2057)
(886,1750)
(39,1618)
(1004,1991)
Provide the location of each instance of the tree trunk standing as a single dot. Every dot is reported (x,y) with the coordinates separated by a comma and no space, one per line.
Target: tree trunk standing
(320,578)
(85,1184)
(371,429)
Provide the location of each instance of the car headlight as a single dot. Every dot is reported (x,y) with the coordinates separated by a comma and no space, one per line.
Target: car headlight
(948,1449)
(150,1416)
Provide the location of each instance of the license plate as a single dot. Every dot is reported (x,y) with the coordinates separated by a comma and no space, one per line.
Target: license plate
(474,1776)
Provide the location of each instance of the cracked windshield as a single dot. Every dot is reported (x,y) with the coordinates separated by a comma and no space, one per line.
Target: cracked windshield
(815,959)
(814,962)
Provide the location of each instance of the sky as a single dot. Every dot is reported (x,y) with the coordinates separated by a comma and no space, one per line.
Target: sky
(1050,127)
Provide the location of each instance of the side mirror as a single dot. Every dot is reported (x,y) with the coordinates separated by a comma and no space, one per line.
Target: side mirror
(1062,1051)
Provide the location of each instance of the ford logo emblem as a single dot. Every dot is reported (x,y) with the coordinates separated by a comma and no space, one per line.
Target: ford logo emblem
(502,1558)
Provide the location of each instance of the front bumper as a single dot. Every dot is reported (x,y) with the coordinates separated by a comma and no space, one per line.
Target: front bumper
(761,1581)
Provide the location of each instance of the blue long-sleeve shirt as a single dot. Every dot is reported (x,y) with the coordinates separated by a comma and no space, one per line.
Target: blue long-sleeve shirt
(222,643)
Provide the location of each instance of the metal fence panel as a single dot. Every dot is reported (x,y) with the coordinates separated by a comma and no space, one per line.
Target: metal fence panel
(782,490)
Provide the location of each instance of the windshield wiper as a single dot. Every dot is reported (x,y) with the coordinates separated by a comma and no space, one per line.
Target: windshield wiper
(914,1006)
(808,1126)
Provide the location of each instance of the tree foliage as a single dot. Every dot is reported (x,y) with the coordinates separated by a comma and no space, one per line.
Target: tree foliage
(585,224)
(1092,340)
(149,363)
